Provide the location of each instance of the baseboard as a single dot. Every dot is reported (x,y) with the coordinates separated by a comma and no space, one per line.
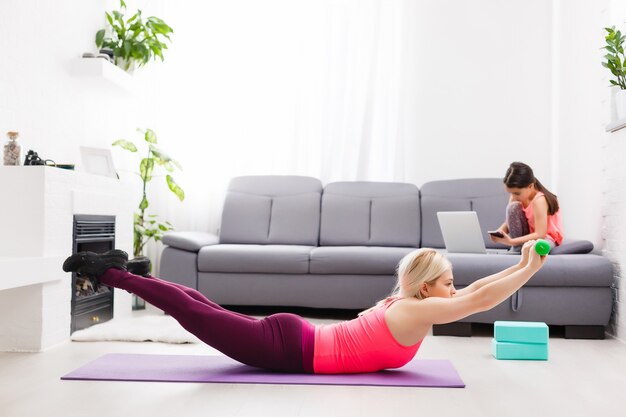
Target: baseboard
(584,332)
(453,329)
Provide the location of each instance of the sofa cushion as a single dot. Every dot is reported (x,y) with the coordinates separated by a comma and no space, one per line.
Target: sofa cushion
(272,210)
(356,260)
(338,291)
(431,233)
(572,246)
(284,259)
(486,196)
(370,214)
(558,271)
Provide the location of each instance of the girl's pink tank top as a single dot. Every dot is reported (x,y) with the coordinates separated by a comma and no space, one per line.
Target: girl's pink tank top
(364,344)
(554,221)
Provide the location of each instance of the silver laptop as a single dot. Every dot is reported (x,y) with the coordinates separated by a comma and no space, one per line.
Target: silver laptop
(462,234)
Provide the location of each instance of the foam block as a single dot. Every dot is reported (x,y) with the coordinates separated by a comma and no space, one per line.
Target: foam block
(520,351)
(520,332)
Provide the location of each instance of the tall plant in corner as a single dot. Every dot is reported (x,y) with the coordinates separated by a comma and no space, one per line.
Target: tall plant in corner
(133,39)
(615,61)
(146,226)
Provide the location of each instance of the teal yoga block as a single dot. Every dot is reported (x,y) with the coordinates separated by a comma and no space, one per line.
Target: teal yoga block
(519,351)
(520,332)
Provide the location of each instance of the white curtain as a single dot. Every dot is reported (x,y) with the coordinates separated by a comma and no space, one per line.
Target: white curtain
(297,87)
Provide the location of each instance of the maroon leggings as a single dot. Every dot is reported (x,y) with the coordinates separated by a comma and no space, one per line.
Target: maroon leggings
(280,342)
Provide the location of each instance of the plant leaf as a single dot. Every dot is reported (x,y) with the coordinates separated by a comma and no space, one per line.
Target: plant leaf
(133,17)
(161,157)
(125,144)
(127,50)
(150,136)
(178,165)
(144,203)
(100,38)
(168,166)
(174,187)
(145,168)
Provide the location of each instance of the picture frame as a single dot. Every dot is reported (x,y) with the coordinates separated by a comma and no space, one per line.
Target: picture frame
(97,161)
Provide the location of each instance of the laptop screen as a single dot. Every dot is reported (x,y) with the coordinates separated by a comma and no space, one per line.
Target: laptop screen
(461,232)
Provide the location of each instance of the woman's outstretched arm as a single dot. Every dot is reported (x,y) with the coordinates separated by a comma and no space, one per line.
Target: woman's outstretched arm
(438,310)
(484,281)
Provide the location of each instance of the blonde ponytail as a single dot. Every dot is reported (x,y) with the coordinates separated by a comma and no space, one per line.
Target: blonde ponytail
(423,265)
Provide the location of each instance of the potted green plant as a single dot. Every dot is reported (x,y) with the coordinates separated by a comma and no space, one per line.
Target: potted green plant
(146,226)
(133,41)
(615,61)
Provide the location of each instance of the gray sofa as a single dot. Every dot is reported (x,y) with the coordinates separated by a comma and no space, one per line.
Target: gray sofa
(288,241)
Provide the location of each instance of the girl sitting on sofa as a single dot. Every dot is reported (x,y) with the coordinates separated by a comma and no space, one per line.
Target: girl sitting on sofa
(532,213)
(387,335)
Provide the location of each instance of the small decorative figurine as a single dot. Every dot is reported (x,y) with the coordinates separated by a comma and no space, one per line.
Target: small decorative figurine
(12,150)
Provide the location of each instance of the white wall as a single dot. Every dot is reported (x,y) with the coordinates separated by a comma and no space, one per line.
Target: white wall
(488,90)
(614,198)
(480,96)
(484,92)
(582,111)
(53,110)
(614,223)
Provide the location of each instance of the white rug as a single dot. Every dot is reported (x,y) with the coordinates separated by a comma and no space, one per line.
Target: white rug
(154,328)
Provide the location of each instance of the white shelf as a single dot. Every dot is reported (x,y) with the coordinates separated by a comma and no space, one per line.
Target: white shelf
(101,68)
(615,126)
(19,272)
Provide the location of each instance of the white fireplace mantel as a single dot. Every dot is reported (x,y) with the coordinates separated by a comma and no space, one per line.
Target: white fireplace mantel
(37,210)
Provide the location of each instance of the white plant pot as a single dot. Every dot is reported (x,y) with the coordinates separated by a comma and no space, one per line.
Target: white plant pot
(620,104)
(128,66)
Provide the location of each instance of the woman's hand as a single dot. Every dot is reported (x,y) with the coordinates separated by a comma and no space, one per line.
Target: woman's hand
(525,252)
(535,261)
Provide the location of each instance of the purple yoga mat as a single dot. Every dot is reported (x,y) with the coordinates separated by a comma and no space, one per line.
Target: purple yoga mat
(221,369)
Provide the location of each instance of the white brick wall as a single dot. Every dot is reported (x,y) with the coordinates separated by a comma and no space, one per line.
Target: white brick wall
(39,204)
(614,224)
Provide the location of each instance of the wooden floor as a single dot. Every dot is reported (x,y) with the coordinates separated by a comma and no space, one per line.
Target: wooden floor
(582,378)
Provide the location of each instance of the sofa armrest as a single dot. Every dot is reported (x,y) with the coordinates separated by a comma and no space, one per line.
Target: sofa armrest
(190,241)
(573,246)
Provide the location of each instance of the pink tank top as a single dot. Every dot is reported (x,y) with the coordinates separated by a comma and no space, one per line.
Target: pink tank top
(554,221)
(364,344)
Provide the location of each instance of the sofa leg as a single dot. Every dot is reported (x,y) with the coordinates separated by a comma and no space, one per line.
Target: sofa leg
(453,329)
(584,332)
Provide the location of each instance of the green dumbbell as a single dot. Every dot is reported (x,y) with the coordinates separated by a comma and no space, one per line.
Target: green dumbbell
(542,247)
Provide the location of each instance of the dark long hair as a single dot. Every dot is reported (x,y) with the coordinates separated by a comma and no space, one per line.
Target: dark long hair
(520,175)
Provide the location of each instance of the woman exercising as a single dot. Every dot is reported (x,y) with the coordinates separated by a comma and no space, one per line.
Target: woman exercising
(533,211)
(387,335)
